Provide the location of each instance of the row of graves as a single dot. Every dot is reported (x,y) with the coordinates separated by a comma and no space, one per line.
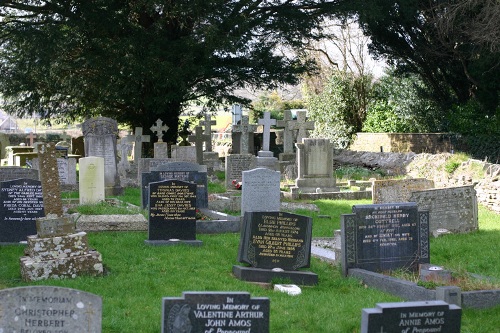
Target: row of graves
(273,244)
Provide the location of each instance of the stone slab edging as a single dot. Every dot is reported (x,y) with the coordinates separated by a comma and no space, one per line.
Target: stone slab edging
(410,291)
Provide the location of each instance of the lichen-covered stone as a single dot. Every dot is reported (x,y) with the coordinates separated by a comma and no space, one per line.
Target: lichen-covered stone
(57,247)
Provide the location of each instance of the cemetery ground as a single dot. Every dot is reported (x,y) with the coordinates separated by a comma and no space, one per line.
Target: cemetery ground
(138,276)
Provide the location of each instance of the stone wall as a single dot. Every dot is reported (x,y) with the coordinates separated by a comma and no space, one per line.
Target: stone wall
(405,142)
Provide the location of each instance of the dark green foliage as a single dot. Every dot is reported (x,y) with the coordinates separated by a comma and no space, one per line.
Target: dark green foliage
(138,61)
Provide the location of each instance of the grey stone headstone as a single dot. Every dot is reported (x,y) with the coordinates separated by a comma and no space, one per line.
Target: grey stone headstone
(385,237)
(14,172)
(66,168)
(235,165)
(49,309)
(407,317)
(398,190)
(21,203)
(261,191)
(235,312)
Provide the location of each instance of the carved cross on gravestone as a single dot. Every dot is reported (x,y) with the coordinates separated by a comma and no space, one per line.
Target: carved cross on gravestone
(49,177)
(207,123)
(287,132)
(158,129)
(267,122)
(301,125)
(244,128)
(198,138)
(139,139)
(32,138)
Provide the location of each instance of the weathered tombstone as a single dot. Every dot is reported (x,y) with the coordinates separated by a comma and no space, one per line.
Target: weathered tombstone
(49,176)
(276,245)
(246,133)
(21,203)
(385,237)
(266,157)
(235,165)
(57,252)
(453,209)
(160,148)
(207,130)
(261,191)
(301,125)
(184,153)
(199,138)
(91,184)
(100,141)
(287,132)
(139,139)
(124,147)
(215,312)
(315,166)
(184,171)
(407,317)
(49,309)
(398,190)
(13,172)
(172,213)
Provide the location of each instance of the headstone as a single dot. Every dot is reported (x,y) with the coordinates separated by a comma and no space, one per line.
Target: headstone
(235,165)
(315,166)
(124,147)
(398,190)
(199,138)
(160,148)
(49,176)
(215,312)
(207,125)
(100,141)
(265,157)
(246,136)
(91,184)
(407,317)
(287,132)
(301,125)
(453,208)
(184,153)
(66,168)
(78,146)
(261,191)
(49,309)
(21,203)
(172,213)
(275,244)
(385,237)
(139,139)
(184,171)
(13,172)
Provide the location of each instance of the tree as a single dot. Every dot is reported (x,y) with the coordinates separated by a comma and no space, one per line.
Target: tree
(454,67)
(137,61)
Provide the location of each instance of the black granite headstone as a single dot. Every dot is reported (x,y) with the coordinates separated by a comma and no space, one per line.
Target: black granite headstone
(385,237)
(215,312)
(276,245)
(276,240)
(408,317)
(172,213)
(190,172)
(21,203)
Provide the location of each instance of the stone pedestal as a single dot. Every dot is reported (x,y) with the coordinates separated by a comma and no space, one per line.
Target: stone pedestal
(59,257)
(267,275)
(265,159)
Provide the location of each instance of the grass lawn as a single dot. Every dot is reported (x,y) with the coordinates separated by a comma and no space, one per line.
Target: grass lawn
(138,276)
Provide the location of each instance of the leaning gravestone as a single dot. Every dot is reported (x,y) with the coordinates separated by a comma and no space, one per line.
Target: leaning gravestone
(408,317)
(261,191)
(451,209)
(21,203)
(398,190)
(385,237)
(49,309)
(190,172)
(276,245)
(100,141)
(215,312)
(172,213)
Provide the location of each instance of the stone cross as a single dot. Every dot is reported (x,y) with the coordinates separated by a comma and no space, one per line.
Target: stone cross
(267,122)
(287,132)
(301,125)
(244,128)
(198,138)
(139,139)
(49,177)
(208,130)
(158,129)
(32,138)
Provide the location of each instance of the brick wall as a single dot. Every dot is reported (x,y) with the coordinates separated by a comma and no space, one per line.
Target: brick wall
(405,142)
